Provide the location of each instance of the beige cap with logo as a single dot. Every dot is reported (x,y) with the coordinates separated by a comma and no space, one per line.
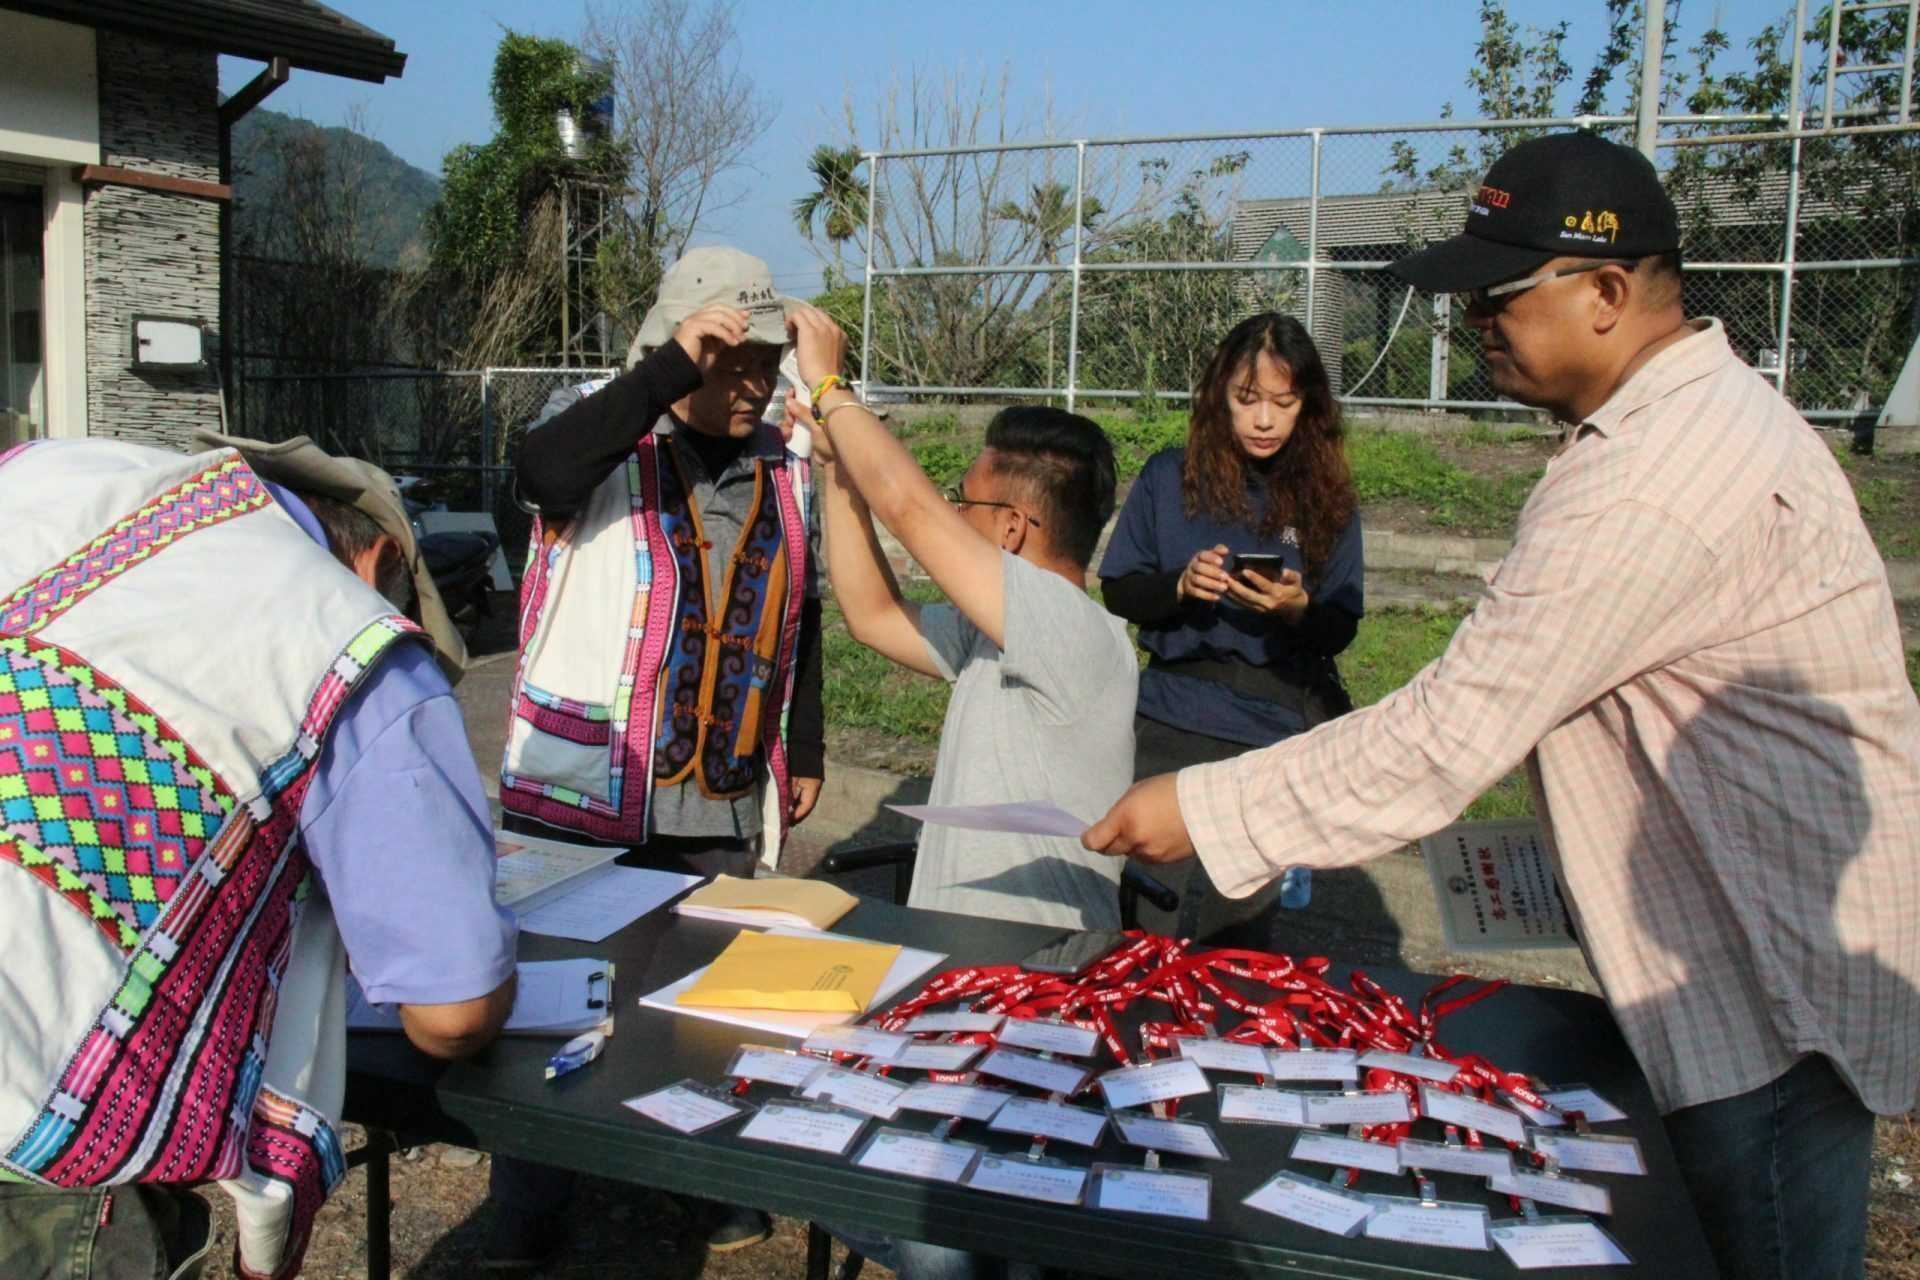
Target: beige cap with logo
(715,276)
(304,467)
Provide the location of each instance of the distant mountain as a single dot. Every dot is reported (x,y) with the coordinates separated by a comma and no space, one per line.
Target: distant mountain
(395,196)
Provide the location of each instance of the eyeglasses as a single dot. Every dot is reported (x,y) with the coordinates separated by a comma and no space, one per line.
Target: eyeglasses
(1484,299)
(958,497)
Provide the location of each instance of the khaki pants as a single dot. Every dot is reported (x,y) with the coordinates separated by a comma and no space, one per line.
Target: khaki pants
(102,1233)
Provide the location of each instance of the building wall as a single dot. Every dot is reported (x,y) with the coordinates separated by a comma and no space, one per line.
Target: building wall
(151,252)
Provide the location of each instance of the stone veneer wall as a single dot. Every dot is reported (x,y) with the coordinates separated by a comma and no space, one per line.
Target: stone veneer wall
(150,252)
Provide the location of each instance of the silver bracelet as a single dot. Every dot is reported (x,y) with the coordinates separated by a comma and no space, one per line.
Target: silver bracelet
(844,404)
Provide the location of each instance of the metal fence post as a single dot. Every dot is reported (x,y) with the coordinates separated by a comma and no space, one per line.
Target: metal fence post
(486,440)
(1789,251)
(1440,352)
(1313,248)
(866,301)
(1073,311)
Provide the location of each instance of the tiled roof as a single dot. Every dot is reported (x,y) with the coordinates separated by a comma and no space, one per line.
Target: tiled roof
(310,36)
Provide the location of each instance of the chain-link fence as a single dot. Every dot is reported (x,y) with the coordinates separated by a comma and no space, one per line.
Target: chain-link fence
(1108,269)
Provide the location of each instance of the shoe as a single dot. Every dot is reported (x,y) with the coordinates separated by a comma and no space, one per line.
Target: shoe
(520,1241)
(734,1227)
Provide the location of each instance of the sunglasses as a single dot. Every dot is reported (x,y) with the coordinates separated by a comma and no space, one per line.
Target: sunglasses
(958,497)
(1494,296)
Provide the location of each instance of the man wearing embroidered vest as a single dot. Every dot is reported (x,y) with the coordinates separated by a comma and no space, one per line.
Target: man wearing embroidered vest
(1043,677)
(668,697)
(223,755)
(1693,647)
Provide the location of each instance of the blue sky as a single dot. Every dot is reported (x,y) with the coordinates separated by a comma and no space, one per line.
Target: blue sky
(1110,67)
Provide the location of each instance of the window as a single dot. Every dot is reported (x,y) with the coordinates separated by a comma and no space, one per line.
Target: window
(23,380)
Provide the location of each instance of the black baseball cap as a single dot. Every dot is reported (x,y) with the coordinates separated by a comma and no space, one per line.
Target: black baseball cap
(1564,195)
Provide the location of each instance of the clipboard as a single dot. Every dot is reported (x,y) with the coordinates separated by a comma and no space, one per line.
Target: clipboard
(553,998)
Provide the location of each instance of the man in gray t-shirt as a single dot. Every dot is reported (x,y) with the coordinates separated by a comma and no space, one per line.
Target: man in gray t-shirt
(1043,678)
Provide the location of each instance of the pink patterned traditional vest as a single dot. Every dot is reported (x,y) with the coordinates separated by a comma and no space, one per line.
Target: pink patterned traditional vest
(635,670)
(171,1008)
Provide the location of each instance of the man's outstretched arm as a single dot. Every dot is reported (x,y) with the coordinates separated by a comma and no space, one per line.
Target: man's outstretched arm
(863,583)
(897,493)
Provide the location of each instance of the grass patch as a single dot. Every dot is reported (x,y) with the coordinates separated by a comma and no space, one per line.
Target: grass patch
(1393,466)
(863,691)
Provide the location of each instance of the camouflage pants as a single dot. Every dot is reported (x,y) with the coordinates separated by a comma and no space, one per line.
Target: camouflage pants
(102,1233)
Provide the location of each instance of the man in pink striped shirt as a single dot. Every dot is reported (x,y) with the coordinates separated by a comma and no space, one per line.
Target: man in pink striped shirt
(1693,648)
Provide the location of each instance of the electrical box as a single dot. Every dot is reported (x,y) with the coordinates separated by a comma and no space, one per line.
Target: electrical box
(168,342)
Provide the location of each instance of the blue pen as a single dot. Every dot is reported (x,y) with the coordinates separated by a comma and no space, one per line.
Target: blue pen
(576,1053)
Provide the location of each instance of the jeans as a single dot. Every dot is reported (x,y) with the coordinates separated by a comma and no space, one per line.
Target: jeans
(917,1260)
(1779,1175)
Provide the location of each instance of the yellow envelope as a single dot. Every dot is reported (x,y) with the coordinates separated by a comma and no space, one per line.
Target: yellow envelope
(813,975)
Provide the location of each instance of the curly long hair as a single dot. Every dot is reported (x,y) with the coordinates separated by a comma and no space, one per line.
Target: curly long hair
(1308,485)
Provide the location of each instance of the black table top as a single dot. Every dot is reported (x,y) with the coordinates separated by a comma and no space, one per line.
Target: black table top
(500,1102)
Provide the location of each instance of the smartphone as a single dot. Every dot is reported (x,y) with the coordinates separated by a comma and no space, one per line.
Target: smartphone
(1075,951)
(1267,566)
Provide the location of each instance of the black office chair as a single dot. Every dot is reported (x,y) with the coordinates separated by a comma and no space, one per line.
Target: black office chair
(1135,885)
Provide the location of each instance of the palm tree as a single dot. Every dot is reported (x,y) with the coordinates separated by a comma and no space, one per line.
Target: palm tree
(838,202)
(1048,215)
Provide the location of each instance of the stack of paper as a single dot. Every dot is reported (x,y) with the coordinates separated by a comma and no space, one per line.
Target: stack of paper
(769,901)
(773,971)
(575,891)
(530,871)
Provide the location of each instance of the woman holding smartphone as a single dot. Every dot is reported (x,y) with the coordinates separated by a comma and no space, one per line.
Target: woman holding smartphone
(1239,557)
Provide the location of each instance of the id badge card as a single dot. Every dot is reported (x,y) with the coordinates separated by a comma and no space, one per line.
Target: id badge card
(875,1095)
(806,1125)
(1223,1055)
(1572,1097)
(1041,1073)
(1081,1126)
(1376,1106)
(1127,1188)
(923,1056)
(864,1042)
(1589,1151)
(1568,1193)
(1152,1082)
(1177,1137)
(916,1155)
(1048,1181)
(1049,1037)
(1348,1153)
(960,1020)
(1250,1104)
(1437,1070)
(960,1101)
(1447,1157)
(1558,1242)
(1443,1224)
(689,1107)
(772,1066)
(1449,1107)
(1341,1066)
(1312,1204)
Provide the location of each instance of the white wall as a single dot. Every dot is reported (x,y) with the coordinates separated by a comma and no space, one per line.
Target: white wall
(49,92)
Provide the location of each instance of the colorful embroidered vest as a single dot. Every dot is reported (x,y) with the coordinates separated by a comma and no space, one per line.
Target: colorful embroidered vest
(171,1010)
(635,670)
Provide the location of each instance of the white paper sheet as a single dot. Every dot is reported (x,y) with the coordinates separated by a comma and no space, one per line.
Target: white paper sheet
(810,1128)
(1024,817)
(1570,1193)
(683,1110)
(1342,1066)
(1049,1037)
(962,1101)
(1560,1243)
(1181,1137)
(875,1095)
(1383,1106)
(915,1155)
(1449,1107)
(1152,1082)
(1444,1226)
(530,870)
(1248,1104)
(1041,1073)
(1156,1191)
(1311,1204)
(1029,1179)
(1348,1153)
(1601,1155)
(1038,1119)
(605,904)
(1223,1055)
